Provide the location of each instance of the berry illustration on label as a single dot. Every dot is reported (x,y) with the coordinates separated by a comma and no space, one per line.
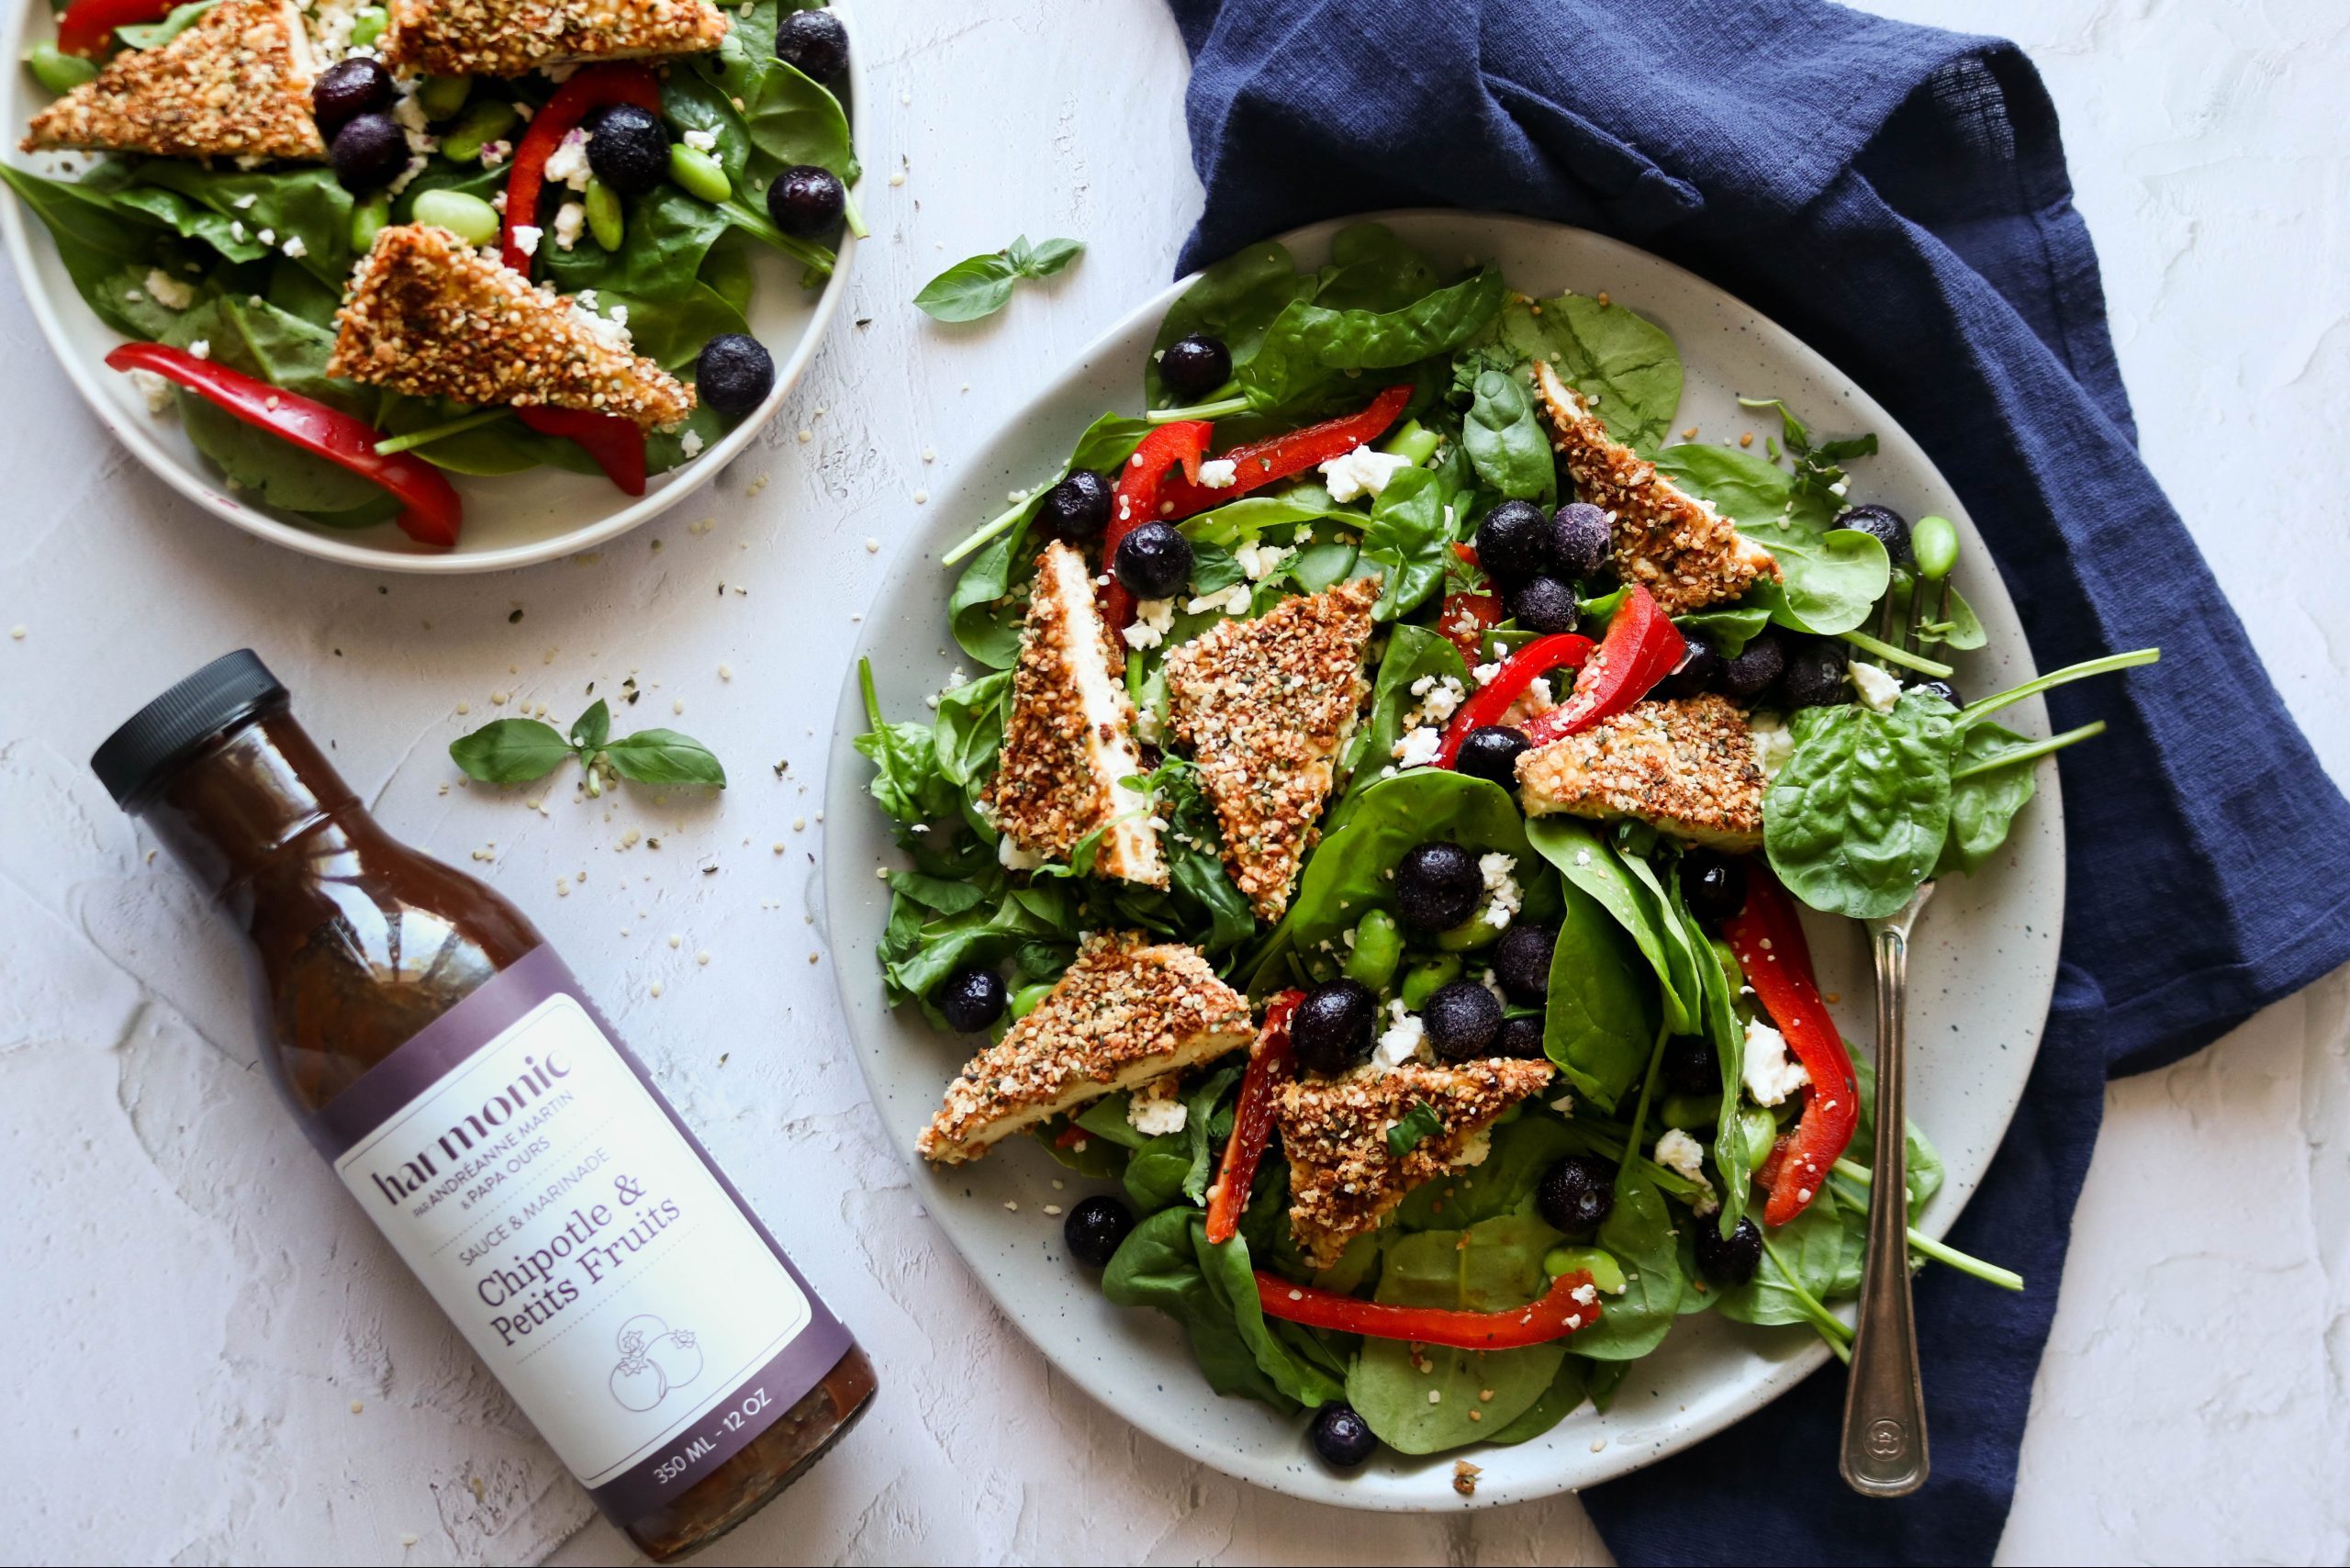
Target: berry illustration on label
(655,1358)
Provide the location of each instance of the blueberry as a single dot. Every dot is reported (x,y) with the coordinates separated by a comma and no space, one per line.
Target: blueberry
(349,88)
(1729,1262)
(1815,674)
(1522,961)
(1079,507)
(1576,1194)
(806,202)
(1714,885)
(972,998)
(1514,543)
(1943,690)
(1462,1020)
(1437,886)
(1490,752)
(1341,1436)
(735,373)
(1757,666)
(1690,1067)
(1331,1029)
(1154,561)
(1546,605)
(368,151)
(1582,538)
(814,44)
(628,149)
(1094,1229)
(1700,666)
(1194,367)
(1888,527)
(1521,1037)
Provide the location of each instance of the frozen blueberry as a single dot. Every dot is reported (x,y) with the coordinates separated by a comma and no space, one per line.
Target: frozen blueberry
(813,43)
(1699,667)
(1079,507)
(1521,1037)
(1342,1437)
(628,149)
(1713,884)
(735,373)
(1194,367)
(1690,1067)
(1522,961)
(1462,1020)
(1546,604)
(1888,527)
(1728,1261)
(347,89)
(1815,674)
(1582,538)
(1094,1229)
(1154,561)
(1437,886)
(806,202)
(1757,666)
(972,998)
(1577,1195)
(1331,1029)
(368,151)
(1490,752)
(1514,543)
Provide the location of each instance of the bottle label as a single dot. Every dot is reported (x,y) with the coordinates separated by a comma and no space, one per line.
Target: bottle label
(522,1164)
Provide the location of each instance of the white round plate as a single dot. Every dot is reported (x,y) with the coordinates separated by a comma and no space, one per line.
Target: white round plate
(1981,974)
(516,519)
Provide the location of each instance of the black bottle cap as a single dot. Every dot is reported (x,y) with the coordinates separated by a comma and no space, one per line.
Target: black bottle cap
(222,696)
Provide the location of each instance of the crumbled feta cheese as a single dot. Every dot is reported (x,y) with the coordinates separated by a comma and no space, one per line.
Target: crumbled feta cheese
(1219,474)
(294,248)
(701,140)
(1680,1153)
(1770,1073)
(246,200)
(567,164)
(570,219)
(1261,561)
(1419,746)
(690,443)
(1147,725)
(154,388)
(1400,1041)
(1503,896)
(1153,617)
(235,231)
(1362,471)
(1439,697)
(610,330)
(200,348)
(1155,1111)
(1878,688)
(527,237)
(1233,601)
(493,153)
(168,291)
(1773,742)
(1014,858)
(1484,674)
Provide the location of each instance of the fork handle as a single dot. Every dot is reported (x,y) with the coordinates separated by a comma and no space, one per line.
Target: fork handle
(1885,1400)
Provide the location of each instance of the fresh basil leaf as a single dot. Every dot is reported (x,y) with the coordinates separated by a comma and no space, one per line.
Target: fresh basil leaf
(972,288)
(509,751)
(1420,1122)
(663,757)
(1043,260)
(1507,440)
(592,727)
(1856,818)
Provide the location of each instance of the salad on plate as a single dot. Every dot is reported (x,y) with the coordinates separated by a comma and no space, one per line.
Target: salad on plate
(1373,846)
(363,248)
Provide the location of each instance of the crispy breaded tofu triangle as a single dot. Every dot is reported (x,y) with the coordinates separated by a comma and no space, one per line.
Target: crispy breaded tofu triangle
(234,84)
(1687,554)
(1343,1177)
(507,37)
(1265,706)
(429,315)
(1125,1014)
(1686,766)
(1069,746)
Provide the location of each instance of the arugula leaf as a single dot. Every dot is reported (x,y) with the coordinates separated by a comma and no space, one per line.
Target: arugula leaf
(1856,818)
(1507,440)
(509,751)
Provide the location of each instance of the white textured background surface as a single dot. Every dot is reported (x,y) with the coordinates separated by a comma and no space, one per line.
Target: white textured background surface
(213,1361)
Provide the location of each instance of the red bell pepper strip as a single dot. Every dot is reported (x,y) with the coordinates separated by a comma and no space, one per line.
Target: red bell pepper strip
(1768,940)
(1464,619)
(1139,499)
(1642,648)
(617,444)
(431,512)
(1262,463)
(1252,1119)
(1557,1314)
(589,89)
(87,28)
(1509,683)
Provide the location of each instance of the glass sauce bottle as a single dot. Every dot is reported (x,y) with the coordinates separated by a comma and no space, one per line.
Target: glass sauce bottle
(451,1071)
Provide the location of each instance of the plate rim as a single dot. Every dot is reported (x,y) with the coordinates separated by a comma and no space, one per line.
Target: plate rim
(844,791)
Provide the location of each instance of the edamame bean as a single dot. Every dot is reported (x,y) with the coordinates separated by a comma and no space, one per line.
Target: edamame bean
(369,219)
(1024,1000)
(1378,949)
(441,96)
(604,218)
(1414,441)
(1761,1130)
(469,218)
(58,71)
(1605,1271)
(368,25)
(1469,936)
(1687,1110)
(481,124)
(1935,542)
(1427,977)
(697,173)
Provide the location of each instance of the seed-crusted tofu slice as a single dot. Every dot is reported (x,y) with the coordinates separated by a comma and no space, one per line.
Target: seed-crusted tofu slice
(1265,706)
(1070,745)
(1125,1014)
(1686,766)
(429,316)
(1687,553)
(1344,1178)
(235,83)
(507,37)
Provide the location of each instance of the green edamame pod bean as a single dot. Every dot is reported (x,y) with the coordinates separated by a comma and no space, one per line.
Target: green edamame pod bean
(604,217)
(368,25)
(1024,1000)
(469,218)
(1605,1271)
(369,219)
(58,71)
(480,125)
(1935,541)
(1423,979)
(1687,1110)
(1469,936)
(1413,441)
(697,173)
(441,96)
(1378,949)
(1760,1129)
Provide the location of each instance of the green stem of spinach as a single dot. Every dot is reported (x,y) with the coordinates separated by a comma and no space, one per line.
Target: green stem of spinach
(999,522)
(1920,1243)
(1215,410)
(819,261)
(1975,712)
(1894,656)
(1641,1110)
(2036,750)
(1829,1326)
(854,218)
(430,434)
(1588,1138)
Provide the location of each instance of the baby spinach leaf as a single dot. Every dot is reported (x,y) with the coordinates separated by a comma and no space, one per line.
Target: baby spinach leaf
(1589,862)
(155,35)
(907,780)
(1199,1113)
(1244,520)
(1640,1232)
(509,751)
(669,234)
(970,727)
(670,331)
(1414,654)
(308,206)
(1983,806)
(1309,350)
(107,249)
(1372,269)
(1155,1174)
(1569,1388)
(788,117)
(690,101)
(1600,1024)
(1856,818)
(1232,1284)
(1507,440)
(1407,535)
(1820,1247)
(1159,1266)
(1623,364)
(1728,630)
(1833,577)
(1522,1147)
(1235,300)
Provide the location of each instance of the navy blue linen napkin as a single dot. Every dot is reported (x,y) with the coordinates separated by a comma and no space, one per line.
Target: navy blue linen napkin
(1896,195)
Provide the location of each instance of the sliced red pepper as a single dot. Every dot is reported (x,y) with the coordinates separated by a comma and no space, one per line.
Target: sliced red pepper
(1464,619)
(87,28)
(1556,1314)
(1642,647)
(1252,1118)
(1137,499)
(1267,462)
(617,444)
(591,88)
(431,511)
(1509,683)
(1768,939)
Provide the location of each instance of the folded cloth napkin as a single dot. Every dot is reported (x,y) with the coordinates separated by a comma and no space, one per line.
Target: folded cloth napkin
(1896,195)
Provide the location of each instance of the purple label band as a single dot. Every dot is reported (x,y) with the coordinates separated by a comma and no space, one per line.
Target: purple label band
(443,1046)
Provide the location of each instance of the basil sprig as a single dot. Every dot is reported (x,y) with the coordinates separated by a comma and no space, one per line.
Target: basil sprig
(981,285)
(515,751)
